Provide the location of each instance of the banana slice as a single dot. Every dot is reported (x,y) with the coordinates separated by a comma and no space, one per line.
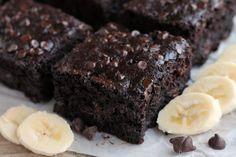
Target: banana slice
(219,87)
(46,134)
(10,121)
(220,69)
(229,54)
(190,114)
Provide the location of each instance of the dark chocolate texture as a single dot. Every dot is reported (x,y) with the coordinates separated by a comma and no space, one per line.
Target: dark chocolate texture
(217,142)
(203,22)
(182,144)
(120,79)
(32,38)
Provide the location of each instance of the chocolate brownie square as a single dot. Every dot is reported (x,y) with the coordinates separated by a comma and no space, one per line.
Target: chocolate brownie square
(204,22)
(32,38)
(94,12)
(118,80)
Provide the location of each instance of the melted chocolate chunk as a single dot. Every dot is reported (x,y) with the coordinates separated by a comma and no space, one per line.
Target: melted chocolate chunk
(182,144)
(217,142)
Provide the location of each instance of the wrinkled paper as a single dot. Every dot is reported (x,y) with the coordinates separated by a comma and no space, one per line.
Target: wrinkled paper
(156,143)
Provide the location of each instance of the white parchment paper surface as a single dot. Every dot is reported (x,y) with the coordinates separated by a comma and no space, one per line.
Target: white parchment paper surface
(156,143)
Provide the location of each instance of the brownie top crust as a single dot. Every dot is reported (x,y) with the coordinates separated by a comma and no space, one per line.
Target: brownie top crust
(183,13)
(32,32)
(123,61)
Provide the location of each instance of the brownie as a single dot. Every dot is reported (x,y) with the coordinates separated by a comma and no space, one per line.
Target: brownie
(203,22)
(32,38)
(94,12)
(121,79)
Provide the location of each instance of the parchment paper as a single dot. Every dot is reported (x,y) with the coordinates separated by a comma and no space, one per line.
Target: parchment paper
(156,143)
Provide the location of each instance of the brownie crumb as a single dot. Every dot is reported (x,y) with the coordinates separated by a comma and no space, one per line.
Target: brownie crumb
(90,132)
(217,142)
(182,144)
(78,125)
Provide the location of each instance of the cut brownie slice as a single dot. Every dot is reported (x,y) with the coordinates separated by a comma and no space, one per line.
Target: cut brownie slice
(119,80)
(32,38)
(204,22)
(95,12)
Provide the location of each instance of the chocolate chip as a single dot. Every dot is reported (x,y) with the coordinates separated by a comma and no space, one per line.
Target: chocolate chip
(142,65)
(135,33)
(78,125)
(125,53)
(27,22)
(12,48)
(182,144)
(47,45)
(34,43)
(65,23)
(217,142)
(90,132)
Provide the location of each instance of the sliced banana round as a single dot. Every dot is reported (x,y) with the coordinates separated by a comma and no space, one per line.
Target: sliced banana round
(220,69)
(220,87)
(190,114)
(46,134)
(229,54)
(10,121)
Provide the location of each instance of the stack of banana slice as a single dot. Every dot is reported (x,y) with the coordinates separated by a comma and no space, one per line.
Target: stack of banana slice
(41,132)
(202,104)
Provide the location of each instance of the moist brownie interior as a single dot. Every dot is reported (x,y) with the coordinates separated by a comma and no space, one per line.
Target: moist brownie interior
(32,38)
(120,79)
